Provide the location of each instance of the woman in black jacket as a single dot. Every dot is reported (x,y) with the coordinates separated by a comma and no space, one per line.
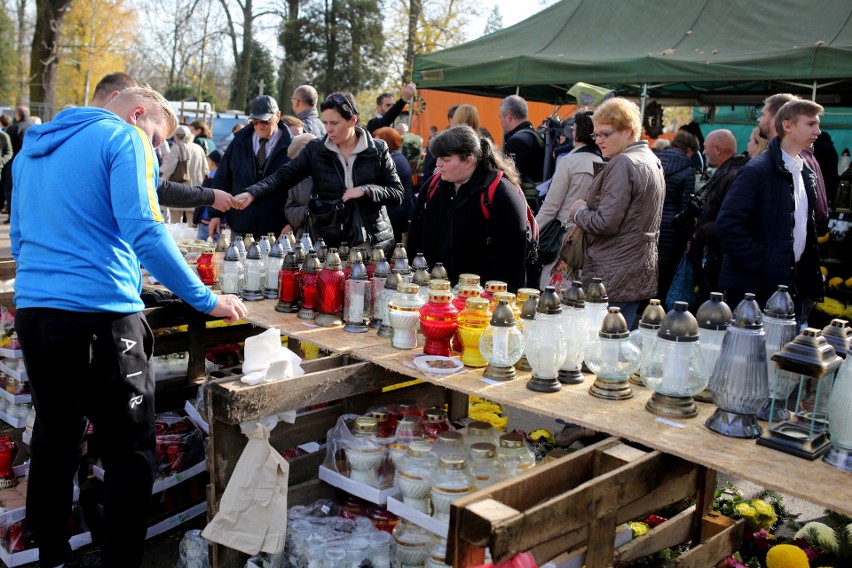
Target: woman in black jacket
(347,165)
(456,223)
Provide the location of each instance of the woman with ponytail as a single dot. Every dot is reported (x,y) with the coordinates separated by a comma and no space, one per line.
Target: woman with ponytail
(459,221)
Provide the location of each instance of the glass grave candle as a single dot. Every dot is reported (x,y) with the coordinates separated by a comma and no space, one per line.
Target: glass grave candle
(675,368)
(248,240)
(321,249)
(411,544)
(365,454)
(840,417)
(452,479)
(385,421)
(408,429)
(207,267)
(438,322)
(597,303)
(479,432)
(287,285)
(645,336)
(738,382)
(805,433)
(404,315)
(472,323)
(435,421)
(439,272)
(714,317)
(414,470)
(377,281)
(306,287)
(389,292)
(612,358)
(511,299)
(274,261)
(501,344)
(8,453)
(376,257)
(301,255)
(574,325)
(545,345)
(354,256)
(485,465)
(330,291)
(421,280)
(493,286)
(838,333)
(419,262)
(265,246)
(467,280)
(306,241)
(460,297)
(222,246)
(399,260)
(231,273)
(240,243)
(779,323)
(343,251)
(515,455)
(356,308)
(526,320)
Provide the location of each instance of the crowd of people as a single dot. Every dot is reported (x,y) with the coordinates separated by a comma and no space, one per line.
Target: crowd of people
(752,226)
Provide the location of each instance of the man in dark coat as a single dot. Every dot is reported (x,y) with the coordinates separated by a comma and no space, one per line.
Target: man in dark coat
(304,103)
(256,151)
(523,145)
(720,148)
(680,185)
(16,136)
(387,111)
(766,226)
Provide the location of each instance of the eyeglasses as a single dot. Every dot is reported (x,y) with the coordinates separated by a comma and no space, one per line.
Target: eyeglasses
(256,121)
(341,101)
(602,135)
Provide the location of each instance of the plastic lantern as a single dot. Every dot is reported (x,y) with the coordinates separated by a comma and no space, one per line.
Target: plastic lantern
(675,368)
(612,358)
(419,263)
(467,280)
(389,292)
(356,308)
(321,249)
(404,314)
(526,320)
(597,303)
(840,413)
(738,382)
(306,241)
(342,252)
(545,345)
(438,322)
(472,323)
(460,297)
(493,286)
(645,336)
(376,257)
(306,287)
(779,322)
(501,344)
(838,333)
(574,324)
(265,246)
(814,361)
(421,279)
(287,285)
(330,291)
(399,260)
(377,281)
(349,262)
(222,246)
(274,261)
(301,255)
(231,273)
(714,317)
(240,243)
(439,272)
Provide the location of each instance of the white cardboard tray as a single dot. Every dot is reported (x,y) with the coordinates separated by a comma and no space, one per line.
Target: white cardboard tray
(14,422)
(31,555)
(419,518)
(371,494)
(16,373)
(165,483)
(16,398)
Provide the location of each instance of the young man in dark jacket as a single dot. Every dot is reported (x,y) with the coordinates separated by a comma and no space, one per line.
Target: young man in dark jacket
(766,225)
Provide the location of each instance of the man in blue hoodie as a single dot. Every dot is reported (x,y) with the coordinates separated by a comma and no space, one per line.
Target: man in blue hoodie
(86,343)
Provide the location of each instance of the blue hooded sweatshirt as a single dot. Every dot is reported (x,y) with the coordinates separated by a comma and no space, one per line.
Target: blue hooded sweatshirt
(86,213)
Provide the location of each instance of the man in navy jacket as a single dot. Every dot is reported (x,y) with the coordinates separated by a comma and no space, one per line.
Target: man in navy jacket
(766,224)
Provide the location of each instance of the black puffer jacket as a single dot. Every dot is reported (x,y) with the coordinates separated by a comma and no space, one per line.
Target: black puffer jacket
(680,184)
(372,167)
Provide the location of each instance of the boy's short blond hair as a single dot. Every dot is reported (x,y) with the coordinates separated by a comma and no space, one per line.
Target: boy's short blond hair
(154,103)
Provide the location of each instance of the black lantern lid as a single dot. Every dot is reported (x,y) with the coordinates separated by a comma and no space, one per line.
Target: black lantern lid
(808,354)
(233,253)
(780,305)
(574,296)
(359,271)
(421,277)
(438,271)
(312,264)
(332,260)
(714,313)
(393,280)
(679,325)
(529,308)
(614,325)
(549,302)
(748,314)
(653,315)
(254,252)
(596,293)
(503,315)
(838,334)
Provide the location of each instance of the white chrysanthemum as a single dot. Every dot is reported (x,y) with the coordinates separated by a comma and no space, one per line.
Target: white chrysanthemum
(826,538)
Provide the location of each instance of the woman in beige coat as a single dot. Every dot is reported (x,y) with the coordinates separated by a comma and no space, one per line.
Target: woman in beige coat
(622,210)
(197,167)
(570,182)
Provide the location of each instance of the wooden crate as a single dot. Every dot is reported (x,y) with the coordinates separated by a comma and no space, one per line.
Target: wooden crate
(573,505)
(343,383)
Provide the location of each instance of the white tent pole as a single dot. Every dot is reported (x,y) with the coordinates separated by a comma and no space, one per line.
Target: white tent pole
(813,93)
(643,101)
(517,90)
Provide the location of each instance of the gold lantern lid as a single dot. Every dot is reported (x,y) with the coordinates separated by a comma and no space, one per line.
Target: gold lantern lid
(614,325)
(808,354)
(503,315)
(596,294)
(450,438)
(838,334)
(439,284)
(476,304)
(679,325)
(483,450)
(511,441)
(714,314)
(453,462)
(469,279)
(440,296)
(408,288)
(525,293)
(468,291)
(433,415)
(419,448)
(365,426)
(496,286)
(653,315)
(549,302)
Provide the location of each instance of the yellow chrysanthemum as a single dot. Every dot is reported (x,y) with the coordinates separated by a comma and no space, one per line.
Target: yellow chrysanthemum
(848,282)
(786,556)
(639,528)
(822,239)
(835,282)
(745,510)
(824,271)
(541,434)
(831,307)
(762,507)
(487,407)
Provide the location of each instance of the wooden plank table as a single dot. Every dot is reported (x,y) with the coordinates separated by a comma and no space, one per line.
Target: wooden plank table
(815,481)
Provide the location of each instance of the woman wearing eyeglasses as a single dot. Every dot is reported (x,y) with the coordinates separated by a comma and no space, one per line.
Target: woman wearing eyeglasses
(346,165)
(622,210)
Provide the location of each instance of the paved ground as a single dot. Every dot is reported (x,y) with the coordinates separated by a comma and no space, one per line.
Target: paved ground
(162,551)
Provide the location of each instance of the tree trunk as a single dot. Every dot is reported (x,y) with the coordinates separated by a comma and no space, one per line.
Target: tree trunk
(241,94)
(43,58)
(290,64)
(415,8)
(20,41)
(331,46)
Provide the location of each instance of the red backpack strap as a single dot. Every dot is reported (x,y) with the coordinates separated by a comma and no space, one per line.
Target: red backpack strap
(486,211)
(433,185)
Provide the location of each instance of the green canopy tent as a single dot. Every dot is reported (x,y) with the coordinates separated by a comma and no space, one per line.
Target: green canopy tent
(687,52)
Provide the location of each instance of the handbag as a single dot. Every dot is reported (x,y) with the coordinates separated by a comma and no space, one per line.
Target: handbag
(181,173)
(550,240)
(682,288)
(335,222)
(573,249)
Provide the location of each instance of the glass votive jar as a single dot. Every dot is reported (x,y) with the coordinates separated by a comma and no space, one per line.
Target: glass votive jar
(452,480)
(516,456)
